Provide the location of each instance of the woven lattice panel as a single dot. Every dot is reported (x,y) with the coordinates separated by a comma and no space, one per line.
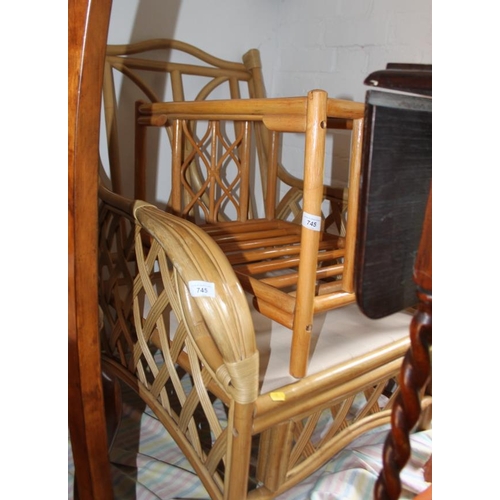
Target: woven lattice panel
(307,439)
(146,336)
(321,428)
(116,277)
(214,172)
(191,358)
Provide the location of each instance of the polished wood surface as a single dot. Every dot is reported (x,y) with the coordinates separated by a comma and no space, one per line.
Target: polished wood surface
(414,78)
(397,171)
(415,374)
(87,33)
(395,240)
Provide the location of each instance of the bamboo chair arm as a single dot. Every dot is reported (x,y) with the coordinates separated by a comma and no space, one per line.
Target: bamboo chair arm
(119,203)
(282,114)
(220,326)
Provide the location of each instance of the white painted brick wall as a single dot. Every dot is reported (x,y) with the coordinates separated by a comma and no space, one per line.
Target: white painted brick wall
(334,45)
(328,44)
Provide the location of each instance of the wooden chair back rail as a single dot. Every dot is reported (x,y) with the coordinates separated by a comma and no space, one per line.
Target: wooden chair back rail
(218,73)
(293,271)
(158,56)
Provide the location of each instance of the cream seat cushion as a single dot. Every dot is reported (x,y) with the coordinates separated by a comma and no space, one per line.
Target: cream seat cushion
(338,335)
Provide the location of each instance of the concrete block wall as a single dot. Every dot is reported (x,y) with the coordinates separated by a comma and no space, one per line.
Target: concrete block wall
(328,44)
(335,44)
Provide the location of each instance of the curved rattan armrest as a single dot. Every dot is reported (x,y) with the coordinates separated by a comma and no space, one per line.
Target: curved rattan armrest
(119,203)
(224,319)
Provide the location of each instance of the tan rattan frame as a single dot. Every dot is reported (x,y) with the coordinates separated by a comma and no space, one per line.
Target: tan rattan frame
(294,271)
(158,56)
(156,330)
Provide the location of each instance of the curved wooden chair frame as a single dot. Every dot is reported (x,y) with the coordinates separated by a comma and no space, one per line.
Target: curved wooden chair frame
(178,63)
(178,330)
(132,333)
(294,270)
(87,33)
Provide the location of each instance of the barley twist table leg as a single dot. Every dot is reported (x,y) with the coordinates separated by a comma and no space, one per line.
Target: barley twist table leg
(415,373)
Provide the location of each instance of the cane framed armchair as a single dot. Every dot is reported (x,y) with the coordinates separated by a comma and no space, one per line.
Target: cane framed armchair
(293,270)
(181,331)
(204,340)
(159,70)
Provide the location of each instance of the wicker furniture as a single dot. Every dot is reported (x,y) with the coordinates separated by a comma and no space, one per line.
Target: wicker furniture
(128,323)
(396,207)
(170,70)
(294,270)
(183,293)
(180,330)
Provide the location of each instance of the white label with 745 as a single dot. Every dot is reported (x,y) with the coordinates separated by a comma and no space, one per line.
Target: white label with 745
(311,221)
(201,289)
